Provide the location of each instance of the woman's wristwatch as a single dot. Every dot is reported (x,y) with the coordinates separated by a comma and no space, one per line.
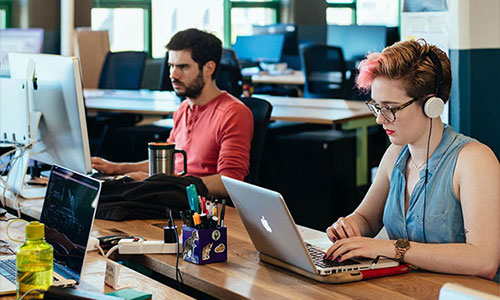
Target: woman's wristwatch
(402,246)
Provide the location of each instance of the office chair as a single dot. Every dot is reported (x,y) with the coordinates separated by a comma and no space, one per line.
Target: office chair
(165,83)
(261,110)
(229,76)
(121,70)
(324,69)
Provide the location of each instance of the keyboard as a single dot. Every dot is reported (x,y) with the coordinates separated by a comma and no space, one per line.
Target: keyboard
(318,254)
(8,269)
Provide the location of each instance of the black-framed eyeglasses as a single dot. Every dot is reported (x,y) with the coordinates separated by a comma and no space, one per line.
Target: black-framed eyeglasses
(4,246)
(389,113)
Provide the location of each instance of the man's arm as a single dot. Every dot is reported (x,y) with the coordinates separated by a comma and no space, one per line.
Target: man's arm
(112,168)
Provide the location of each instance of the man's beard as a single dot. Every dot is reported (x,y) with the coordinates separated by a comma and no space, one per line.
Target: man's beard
(192,91)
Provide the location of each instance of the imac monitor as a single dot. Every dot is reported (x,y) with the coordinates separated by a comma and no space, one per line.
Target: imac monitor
(260,48)
(62,134)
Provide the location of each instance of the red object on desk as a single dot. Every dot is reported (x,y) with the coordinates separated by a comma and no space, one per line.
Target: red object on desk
(369,274)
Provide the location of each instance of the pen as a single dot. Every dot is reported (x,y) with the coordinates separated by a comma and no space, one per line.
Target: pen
(222,212)
(183,218)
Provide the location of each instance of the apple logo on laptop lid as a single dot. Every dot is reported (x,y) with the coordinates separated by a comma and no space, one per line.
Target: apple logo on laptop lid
(266,224)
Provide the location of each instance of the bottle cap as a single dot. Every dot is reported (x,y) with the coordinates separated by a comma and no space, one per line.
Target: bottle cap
(35,230)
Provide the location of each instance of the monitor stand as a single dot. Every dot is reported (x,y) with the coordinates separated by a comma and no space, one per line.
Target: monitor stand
(16,179)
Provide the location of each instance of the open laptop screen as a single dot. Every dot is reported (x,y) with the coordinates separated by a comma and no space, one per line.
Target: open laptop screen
(68,213)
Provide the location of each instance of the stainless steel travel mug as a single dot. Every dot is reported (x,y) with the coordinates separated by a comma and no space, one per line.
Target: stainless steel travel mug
(161,158)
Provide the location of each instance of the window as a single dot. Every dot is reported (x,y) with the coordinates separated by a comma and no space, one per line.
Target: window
(172,16)
(245,13)
(3,18)
(148,25)
(5,14)
(363,12)
(128,23)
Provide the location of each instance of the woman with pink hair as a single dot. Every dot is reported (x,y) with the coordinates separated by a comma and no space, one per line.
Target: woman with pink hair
(437,192)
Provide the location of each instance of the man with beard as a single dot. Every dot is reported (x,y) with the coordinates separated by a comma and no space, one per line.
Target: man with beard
(213,127)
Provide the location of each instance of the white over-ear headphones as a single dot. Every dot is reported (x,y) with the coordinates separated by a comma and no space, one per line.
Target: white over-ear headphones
(434,105)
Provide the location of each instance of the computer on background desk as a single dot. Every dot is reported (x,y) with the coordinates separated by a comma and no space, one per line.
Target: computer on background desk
(62,133)
(68,214)
(265,48)
(274,233)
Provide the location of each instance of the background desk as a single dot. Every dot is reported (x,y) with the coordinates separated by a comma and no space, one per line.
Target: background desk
(243,276)
(350,114)
(294,78)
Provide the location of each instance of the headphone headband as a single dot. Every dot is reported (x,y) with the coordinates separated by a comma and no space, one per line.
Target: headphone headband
(438,68)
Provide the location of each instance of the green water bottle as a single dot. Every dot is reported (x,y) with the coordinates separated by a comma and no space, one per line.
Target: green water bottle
(34,260)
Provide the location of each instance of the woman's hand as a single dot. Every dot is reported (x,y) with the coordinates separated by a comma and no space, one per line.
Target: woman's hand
(360,247)
(343,228)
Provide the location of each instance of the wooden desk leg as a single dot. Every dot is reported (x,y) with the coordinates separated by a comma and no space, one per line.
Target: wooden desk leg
(361,127)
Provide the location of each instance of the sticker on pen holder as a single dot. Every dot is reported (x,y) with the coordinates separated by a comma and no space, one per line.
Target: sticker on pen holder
(204,246)
(216,235)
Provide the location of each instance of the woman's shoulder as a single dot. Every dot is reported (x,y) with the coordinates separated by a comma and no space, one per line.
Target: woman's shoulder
(390,157)
(476,158)
(475,152)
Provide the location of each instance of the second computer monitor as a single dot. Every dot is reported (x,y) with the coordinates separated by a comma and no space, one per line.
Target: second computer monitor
(260,48)
(356,41)
(62,136)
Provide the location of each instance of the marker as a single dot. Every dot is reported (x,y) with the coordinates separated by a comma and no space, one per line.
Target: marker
(203,205)
(222,212)
(197,220)
(204,221)
(214,221)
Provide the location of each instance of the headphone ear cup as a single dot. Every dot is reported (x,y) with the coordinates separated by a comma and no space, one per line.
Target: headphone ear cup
(433,107)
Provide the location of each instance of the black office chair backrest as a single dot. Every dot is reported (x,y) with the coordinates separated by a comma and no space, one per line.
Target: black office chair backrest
(122,70)
(261,110)
(324,70)
(229,76)
(165,83)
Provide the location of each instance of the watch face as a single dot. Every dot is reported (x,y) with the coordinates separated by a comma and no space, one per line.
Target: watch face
(402,243)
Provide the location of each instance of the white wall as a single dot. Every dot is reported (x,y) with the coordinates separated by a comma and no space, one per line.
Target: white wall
(474,24)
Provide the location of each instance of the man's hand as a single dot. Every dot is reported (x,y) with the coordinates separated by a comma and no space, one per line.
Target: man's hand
(138,176)
(105,166)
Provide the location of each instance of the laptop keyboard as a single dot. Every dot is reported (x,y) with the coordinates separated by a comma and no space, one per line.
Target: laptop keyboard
(318,254)
(8,269)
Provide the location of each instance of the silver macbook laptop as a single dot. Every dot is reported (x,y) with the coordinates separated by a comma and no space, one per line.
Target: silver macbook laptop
(68,214)
(274,233)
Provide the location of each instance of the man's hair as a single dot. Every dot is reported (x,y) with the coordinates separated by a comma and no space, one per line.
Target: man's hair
(204,46)
(410,62)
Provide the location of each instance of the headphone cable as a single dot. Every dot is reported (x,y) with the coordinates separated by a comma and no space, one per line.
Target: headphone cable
(426,179)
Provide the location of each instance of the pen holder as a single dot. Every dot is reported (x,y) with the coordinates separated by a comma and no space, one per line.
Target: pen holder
(204,246)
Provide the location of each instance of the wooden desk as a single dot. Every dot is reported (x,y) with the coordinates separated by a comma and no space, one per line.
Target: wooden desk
(294,78)
(243,276)
(94,268)
(350,114)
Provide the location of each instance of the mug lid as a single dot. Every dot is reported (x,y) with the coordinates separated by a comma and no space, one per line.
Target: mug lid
(161,145)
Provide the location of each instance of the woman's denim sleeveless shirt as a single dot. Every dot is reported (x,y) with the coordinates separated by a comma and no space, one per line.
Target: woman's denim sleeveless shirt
(443,212)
